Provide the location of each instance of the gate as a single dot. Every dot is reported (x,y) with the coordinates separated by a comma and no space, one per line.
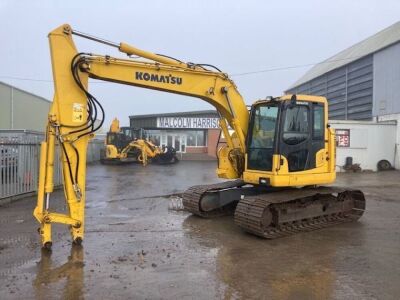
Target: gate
(19,162)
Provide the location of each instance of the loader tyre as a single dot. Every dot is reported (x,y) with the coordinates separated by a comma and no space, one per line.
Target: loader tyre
(384,165)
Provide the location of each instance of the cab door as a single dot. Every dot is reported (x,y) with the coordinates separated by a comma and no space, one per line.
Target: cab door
(301,134)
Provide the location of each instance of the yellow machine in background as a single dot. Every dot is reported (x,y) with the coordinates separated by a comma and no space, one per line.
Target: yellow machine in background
(277,153)
(126,144)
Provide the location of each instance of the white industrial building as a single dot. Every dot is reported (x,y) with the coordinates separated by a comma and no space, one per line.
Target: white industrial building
(20,109)
(362,84)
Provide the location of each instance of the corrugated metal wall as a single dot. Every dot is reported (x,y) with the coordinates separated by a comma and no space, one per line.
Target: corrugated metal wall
(349,90)
(387,81)
(20,109)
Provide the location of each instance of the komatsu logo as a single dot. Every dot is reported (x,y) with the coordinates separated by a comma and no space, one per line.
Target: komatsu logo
(158,78)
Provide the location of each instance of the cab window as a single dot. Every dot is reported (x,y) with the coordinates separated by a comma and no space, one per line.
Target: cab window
(296,127)
(264,127)
(262,137)
(318,128)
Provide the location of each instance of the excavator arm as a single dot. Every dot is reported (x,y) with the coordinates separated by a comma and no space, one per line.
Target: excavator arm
(74,111)
(147,150)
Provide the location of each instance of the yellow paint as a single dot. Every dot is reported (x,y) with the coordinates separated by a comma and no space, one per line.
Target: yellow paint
(114,127)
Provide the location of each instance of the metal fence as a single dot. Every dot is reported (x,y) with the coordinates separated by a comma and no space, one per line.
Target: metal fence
(19,161)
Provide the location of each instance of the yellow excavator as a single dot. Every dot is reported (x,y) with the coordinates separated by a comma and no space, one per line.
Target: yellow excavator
(279,153)
(126,144)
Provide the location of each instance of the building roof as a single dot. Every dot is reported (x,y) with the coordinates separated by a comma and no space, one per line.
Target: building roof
(185,113)
(380,40)
(26,92)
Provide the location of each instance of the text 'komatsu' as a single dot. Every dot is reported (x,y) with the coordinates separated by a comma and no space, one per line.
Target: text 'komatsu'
(158,78)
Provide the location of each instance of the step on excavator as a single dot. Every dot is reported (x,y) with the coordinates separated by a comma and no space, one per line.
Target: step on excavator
(279,155)
(126,145)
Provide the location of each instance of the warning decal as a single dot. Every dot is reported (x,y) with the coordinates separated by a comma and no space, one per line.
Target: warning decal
(77,112)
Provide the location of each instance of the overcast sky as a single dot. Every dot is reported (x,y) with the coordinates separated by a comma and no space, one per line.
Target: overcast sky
(236,36)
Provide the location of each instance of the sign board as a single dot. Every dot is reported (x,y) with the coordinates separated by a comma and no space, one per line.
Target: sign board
(183,122)
(77,112)
(342,137)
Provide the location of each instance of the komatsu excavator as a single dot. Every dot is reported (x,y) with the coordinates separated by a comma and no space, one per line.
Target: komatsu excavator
(126,144)
(279,153)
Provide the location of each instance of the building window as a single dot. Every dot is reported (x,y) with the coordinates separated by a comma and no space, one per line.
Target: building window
(163,139)
(200,137)
(196,138)
(155,139)
(154,136)
(191,138)
(169,141)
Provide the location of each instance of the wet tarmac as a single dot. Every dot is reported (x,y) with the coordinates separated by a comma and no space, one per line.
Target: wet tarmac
(136,248)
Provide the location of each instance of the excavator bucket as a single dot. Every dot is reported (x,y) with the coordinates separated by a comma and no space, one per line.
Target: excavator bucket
(167,157)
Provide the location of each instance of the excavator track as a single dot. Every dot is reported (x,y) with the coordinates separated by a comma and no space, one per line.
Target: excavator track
(288,212)
(192,197)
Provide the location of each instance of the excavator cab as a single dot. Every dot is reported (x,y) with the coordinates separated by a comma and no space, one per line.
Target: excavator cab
(288,142)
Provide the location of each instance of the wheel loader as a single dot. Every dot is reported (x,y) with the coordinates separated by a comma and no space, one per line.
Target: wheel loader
(279,155)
